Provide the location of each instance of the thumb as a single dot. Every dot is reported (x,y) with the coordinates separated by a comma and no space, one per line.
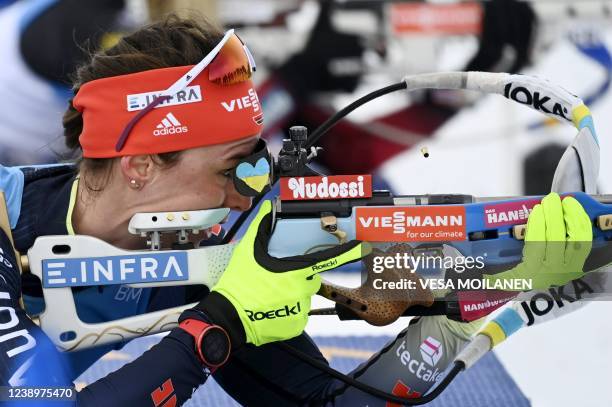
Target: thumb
(336,256)
(312,263)
(579,225)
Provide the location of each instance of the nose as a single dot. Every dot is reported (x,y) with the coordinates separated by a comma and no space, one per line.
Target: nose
(234,200)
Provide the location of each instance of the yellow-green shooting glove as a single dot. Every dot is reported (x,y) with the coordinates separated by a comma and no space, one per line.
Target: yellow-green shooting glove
(558,241)
(261,299)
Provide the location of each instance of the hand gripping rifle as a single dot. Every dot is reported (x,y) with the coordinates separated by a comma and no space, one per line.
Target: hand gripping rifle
(324,211)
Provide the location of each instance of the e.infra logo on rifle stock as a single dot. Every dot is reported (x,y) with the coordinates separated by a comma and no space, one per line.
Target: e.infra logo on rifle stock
(332,187)
(410,224)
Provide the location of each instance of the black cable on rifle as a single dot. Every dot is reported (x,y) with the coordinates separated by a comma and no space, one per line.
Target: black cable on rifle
(331,122)
(313,138)
(350,381)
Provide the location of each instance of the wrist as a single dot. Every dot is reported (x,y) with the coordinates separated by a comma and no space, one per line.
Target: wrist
(211,342)
(219,310)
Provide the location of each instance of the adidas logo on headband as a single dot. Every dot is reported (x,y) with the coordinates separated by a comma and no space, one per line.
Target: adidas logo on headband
(169,125)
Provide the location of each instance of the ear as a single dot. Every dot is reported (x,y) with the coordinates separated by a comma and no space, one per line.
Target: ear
(137,169)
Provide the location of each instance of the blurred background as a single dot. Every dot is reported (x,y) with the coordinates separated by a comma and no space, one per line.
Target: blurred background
(315,57)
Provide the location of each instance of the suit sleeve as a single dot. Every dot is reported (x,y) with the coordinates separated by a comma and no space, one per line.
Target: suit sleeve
(165,375)
(169,371)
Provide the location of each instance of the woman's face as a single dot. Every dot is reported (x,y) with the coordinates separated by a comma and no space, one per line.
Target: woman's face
(200,179)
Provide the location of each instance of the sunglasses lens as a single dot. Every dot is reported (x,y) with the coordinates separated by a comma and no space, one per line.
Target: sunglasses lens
(253,175)
(232,64)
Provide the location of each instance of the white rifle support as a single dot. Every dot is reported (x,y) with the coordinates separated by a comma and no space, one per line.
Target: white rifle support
(60,320)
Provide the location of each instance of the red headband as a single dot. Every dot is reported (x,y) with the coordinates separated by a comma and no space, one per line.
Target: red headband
(203,114)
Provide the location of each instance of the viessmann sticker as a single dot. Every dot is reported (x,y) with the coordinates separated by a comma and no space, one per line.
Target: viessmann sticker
(410,224)
(332,187)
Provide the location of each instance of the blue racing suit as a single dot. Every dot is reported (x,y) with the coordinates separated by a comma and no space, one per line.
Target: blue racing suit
(38,204)
(38,200)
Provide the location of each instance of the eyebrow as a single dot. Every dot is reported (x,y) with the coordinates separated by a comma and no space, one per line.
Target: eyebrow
(235,156)
(238,154)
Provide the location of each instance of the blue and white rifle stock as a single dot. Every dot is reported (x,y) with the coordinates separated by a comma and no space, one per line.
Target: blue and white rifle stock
(62,262)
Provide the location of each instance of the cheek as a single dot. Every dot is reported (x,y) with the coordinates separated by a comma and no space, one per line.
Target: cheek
(200,187)
(205,193)
(213,195)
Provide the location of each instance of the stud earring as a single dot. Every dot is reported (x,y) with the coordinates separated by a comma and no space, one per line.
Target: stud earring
(134,184)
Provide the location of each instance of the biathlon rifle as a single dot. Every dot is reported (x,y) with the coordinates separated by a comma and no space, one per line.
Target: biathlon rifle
(345,208)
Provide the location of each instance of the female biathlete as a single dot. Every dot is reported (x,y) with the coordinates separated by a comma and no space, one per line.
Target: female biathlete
(176,152)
